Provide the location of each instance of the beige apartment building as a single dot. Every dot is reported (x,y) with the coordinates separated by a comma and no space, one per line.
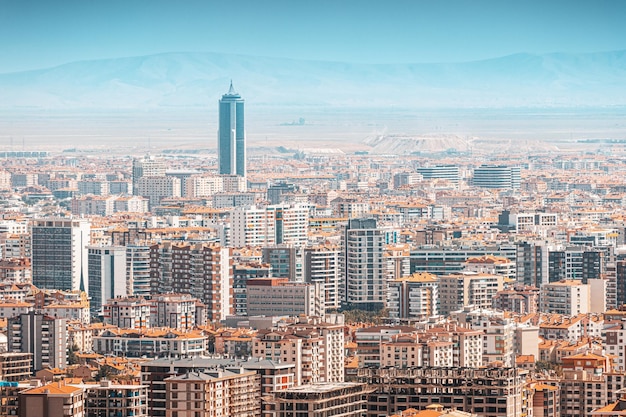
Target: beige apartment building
(566,297)
(414,297)
(218,393)
(468,288)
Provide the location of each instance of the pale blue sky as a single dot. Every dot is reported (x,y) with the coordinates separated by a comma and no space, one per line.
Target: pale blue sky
(43,33)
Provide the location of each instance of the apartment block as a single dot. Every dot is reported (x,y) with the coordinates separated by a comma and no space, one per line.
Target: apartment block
(217,393)
(468,288)
(42,336)
(566,297)
(414,297)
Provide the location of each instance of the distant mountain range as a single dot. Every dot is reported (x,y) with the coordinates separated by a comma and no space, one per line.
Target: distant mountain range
(196,80)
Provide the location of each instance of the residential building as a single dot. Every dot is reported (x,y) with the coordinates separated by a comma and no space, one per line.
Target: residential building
(15,366)
(42,336)
(484,392)
(53,399)
(149,166)
(414,297)
(128,313)
(468,288)
(322,265)
(566,297)
(364,264)
(217,393)
(107,275)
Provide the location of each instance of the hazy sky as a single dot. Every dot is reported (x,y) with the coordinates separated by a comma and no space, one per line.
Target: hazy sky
(42,33)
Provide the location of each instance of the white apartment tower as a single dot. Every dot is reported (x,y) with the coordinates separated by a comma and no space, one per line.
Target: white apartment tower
(270,225)
(107,275)
(364,264)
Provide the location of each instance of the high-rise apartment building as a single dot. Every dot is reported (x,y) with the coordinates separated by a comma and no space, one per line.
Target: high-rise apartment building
(231,136)
(364,246)
(468,288)
(567,297)
(286,261)
(107,275)
(43,336)
(59,253)
(203,270)
(138,270)
(322,265)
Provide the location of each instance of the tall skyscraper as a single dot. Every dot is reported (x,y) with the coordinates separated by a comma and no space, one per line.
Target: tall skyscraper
(59,253)
(231,136)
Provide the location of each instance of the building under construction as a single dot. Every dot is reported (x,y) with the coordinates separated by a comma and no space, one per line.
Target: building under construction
(494,392)
(345,399)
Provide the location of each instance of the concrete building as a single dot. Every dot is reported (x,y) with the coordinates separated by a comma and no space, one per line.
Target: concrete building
(414,297)
(485,392)
(42,336)
(286,261)
(149,166)
(322,265)
(279,297)
(274,376)
(318,400)
(493,265)
(128,313)
(157,188)
(469,288)
(270,225)
(497,176)
(203,270)
(107,275)
(53,399)
(138,279)
(442,260)
(15,366)
(176,311)
(445,172)
(566,297)
(364,264)
(59,253)
(519,299)
(217,393)
(110,399)
(532,261)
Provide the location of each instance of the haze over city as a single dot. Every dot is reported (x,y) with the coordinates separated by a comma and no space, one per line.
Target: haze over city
(94,73)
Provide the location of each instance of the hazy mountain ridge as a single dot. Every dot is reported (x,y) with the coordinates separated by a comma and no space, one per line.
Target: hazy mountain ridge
(198,80)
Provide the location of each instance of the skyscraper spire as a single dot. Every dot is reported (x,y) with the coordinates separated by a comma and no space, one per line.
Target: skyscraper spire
(231,90)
